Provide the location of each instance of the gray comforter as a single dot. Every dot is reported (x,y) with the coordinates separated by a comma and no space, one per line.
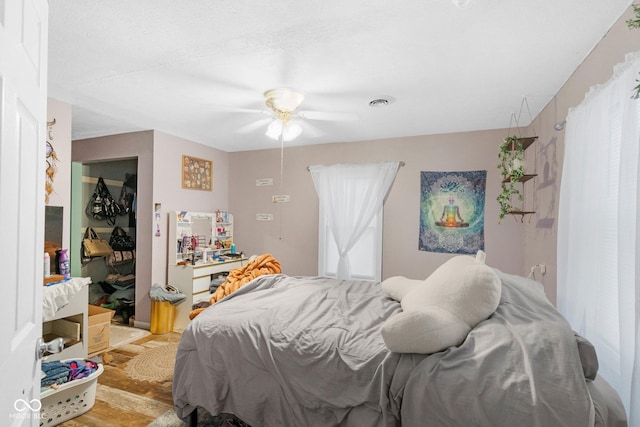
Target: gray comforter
(307,351)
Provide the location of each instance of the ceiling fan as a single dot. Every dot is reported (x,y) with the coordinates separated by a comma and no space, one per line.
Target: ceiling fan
(285,121)
(283,103)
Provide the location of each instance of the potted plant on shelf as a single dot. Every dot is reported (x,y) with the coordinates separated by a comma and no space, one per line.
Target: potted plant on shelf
(511,166)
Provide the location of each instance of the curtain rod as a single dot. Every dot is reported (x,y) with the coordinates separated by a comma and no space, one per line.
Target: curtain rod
(401,164)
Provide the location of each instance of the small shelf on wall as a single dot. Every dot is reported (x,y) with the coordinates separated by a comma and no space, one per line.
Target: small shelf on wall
(526,142)
(511,145)
(523,178)
(521,213)
(93,180)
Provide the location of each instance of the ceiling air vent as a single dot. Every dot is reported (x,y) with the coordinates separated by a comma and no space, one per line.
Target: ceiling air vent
(380,102)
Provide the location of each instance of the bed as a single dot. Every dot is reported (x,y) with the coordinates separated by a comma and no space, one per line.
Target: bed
(307,351)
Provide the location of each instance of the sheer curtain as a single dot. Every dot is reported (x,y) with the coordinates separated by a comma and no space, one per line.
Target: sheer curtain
(598,229)
(351,195)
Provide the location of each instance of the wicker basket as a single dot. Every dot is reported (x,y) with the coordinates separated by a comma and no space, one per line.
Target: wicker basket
(70,400)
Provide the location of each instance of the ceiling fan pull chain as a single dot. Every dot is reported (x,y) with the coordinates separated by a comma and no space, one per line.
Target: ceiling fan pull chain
(281,179)
(281,160)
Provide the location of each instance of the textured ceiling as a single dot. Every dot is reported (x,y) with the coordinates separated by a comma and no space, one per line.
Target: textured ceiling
(198,69)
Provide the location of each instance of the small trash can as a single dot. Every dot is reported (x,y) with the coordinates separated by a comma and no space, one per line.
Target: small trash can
(163,307)
(163,315)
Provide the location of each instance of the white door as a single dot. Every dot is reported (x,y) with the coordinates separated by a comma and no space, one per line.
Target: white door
(23,116)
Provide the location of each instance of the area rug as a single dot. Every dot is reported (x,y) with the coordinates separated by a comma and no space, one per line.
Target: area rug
(154,365)
(122,400)
(121,335)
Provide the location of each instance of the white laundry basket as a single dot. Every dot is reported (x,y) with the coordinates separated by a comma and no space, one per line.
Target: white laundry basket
(70,400)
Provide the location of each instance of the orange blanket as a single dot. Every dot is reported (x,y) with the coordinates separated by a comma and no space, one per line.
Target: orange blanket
(238,277)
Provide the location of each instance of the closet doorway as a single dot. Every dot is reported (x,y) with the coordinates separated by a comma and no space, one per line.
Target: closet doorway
(112,277)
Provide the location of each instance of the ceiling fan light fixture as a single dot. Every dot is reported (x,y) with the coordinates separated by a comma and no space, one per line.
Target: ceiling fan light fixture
(283,99)
(274,129)
(290,131)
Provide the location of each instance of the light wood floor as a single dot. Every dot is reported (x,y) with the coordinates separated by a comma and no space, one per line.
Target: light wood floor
(123,401)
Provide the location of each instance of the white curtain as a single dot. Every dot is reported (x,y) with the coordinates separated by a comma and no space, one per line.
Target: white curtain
(350,197)
(598,229)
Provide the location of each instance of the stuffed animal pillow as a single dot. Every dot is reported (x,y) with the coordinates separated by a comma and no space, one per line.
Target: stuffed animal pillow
(398,286)
(440,311)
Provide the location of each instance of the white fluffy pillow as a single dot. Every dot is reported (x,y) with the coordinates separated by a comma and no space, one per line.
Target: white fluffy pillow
(440,312)
(422,331)
(398,286)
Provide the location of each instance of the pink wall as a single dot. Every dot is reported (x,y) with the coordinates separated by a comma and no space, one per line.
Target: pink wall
(292,237)
(159,181)
(168,191)
(541,233)
(61,141)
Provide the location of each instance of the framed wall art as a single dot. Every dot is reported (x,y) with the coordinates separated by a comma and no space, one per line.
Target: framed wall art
(197,174)
(452,211)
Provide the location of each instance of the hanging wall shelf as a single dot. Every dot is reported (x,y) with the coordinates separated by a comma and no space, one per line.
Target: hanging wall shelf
(510,145)
(523,178)
(526,142)
(512,169)
(521,213)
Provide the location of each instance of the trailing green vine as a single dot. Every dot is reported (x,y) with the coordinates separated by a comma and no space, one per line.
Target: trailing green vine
(634,23)
(511,157)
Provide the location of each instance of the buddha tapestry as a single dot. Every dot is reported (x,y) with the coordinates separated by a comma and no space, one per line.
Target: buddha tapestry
(452,211)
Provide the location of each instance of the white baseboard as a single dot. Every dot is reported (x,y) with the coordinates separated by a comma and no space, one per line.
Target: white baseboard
(141,325)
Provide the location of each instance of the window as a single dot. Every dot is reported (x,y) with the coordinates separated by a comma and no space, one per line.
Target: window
(350,227)
(598,230)
(365,256)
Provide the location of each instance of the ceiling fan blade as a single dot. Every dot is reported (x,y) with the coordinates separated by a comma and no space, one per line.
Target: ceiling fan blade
(309,130)
(227,109)
(330,116)
(254,125)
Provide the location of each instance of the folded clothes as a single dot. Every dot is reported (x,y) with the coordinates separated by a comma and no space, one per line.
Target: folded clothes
(55,373)
(58,372)
(125,282)
(50,366)
(61,378)
(171,294)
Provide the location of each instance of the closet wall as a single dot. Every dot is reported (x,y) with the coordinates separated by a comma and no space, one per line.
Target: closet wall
(159,157)
(123,148)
